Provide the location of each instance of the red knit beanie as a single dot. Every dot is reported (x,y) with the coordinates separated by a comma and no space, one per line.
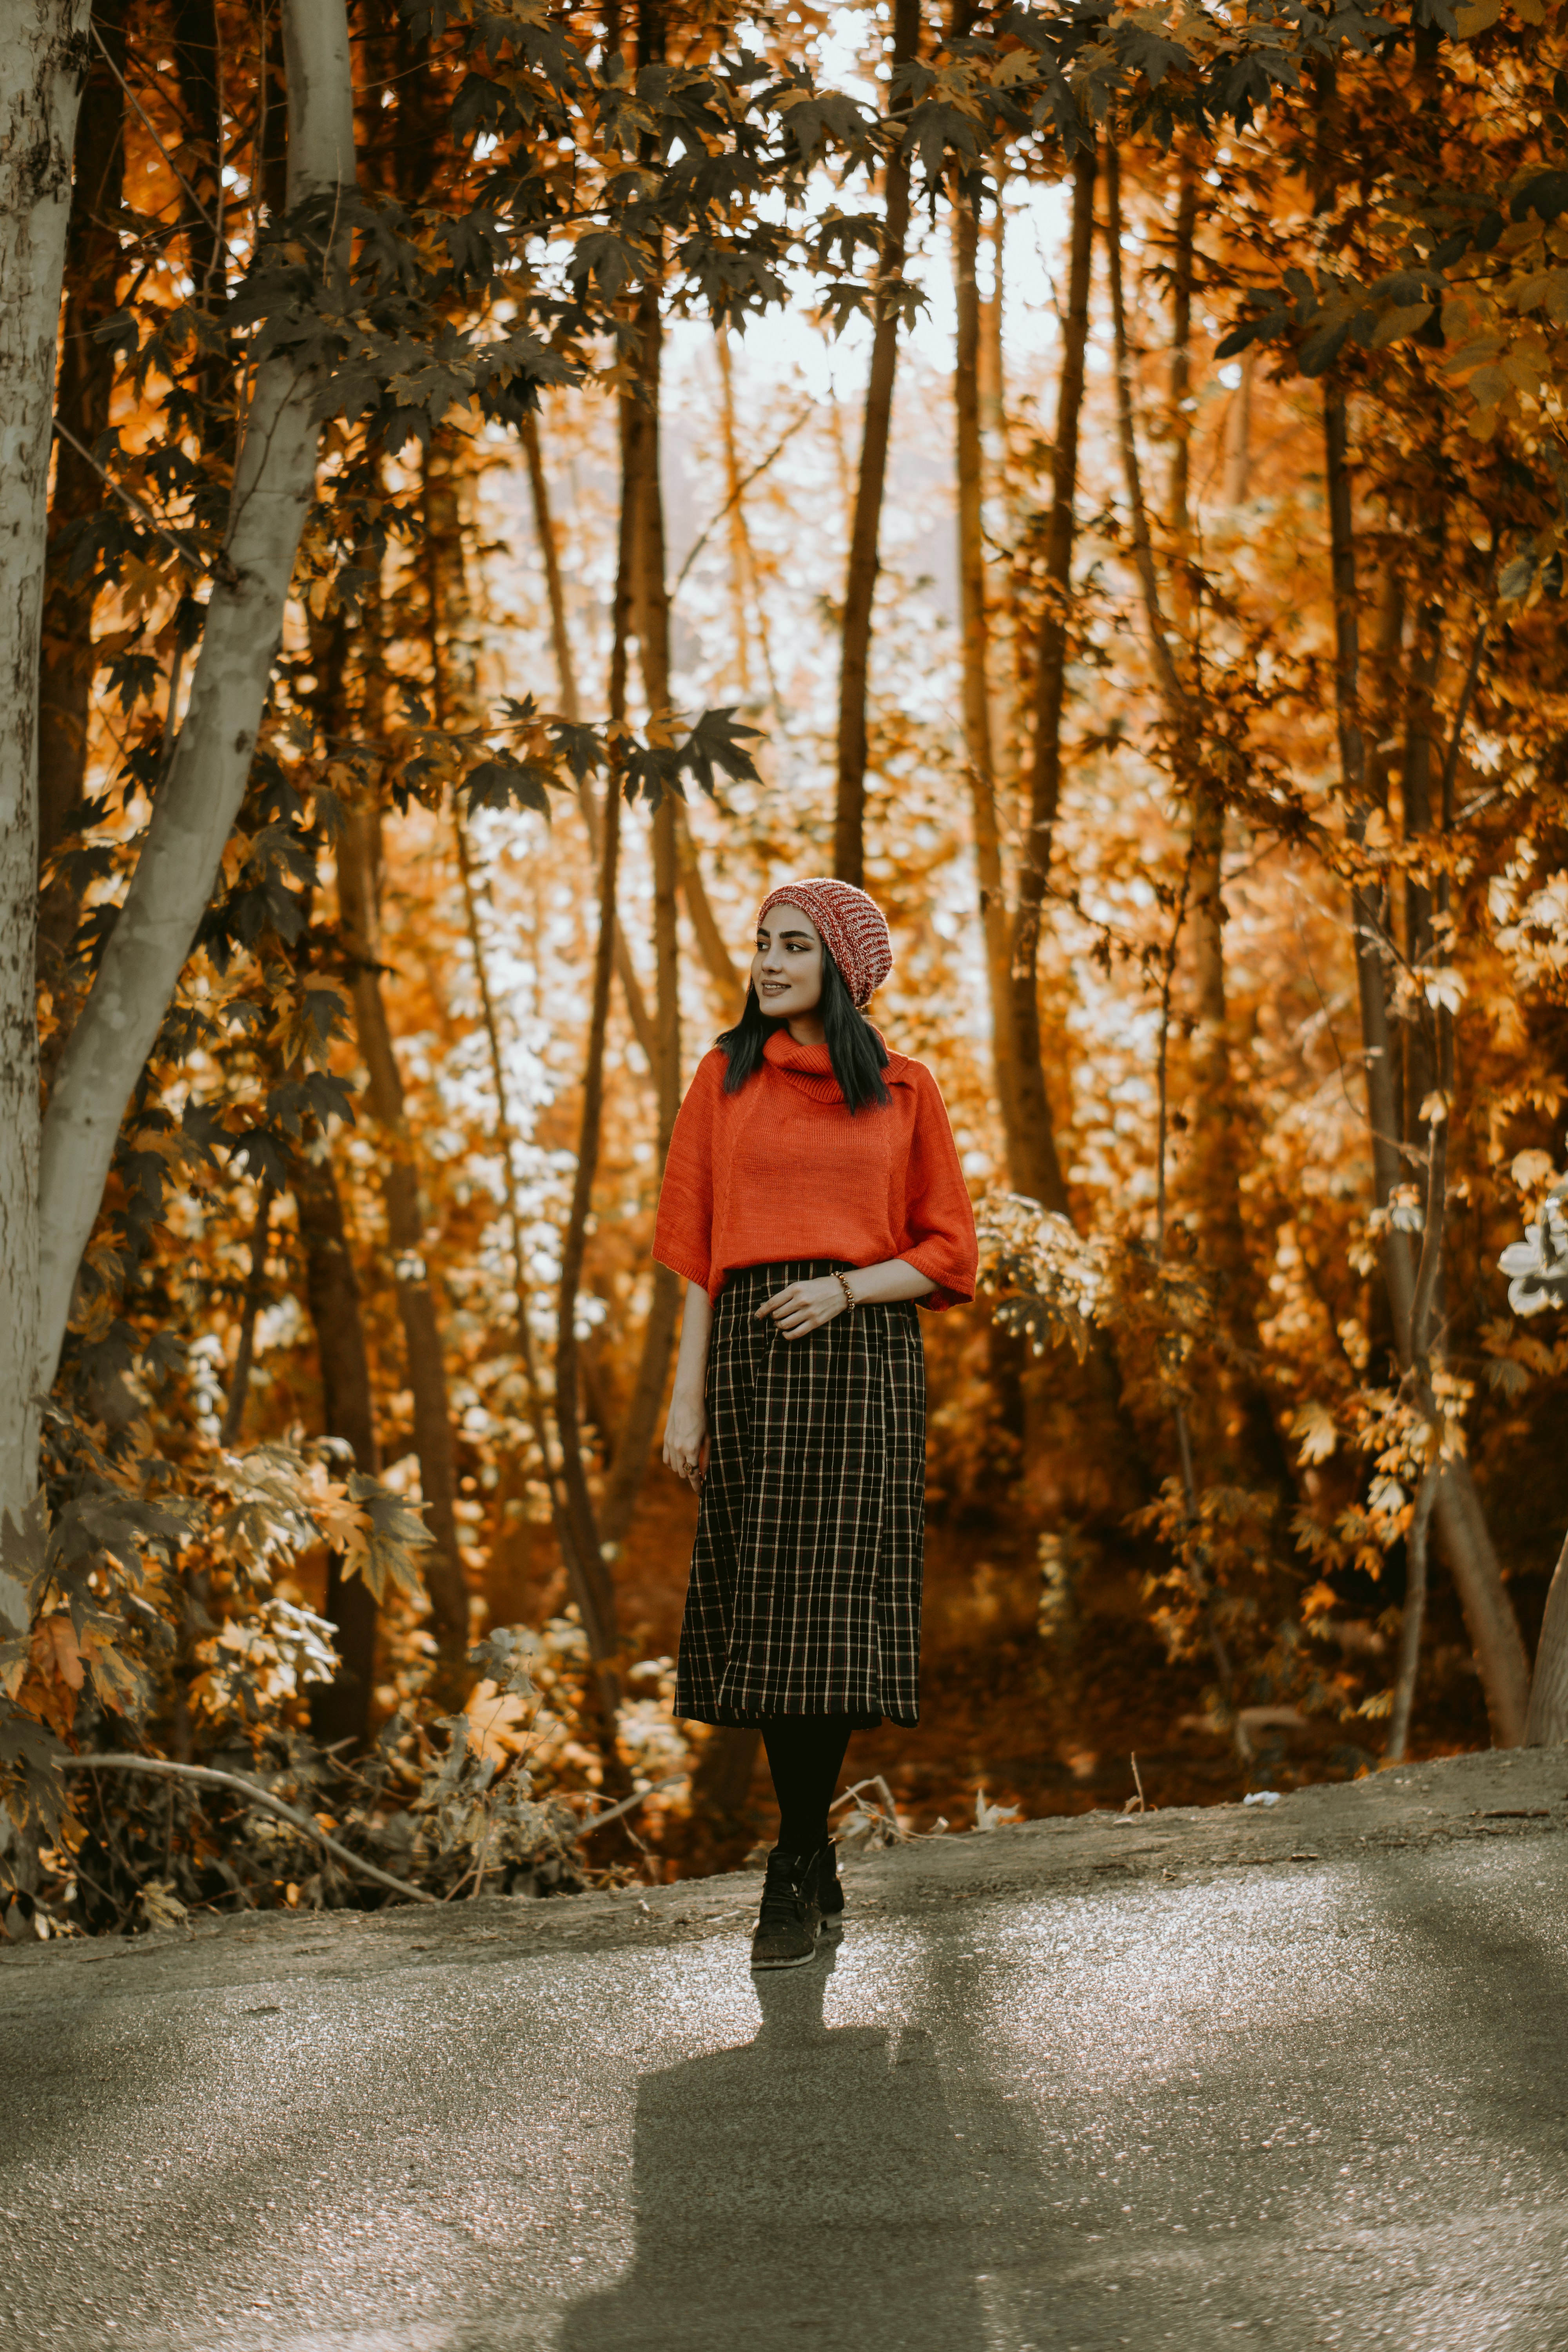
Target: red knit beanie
(852,926)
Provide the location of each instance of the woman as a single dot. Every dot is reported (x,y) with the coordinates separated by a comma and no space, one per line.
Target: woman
(812,1195)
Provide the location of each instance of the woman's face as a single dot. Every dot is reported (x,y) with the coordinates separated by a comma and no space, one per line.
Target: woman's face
(786,970)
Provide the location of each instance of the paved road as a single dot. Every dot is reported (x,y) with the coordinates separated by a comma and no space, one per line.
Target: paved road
(1323,2104)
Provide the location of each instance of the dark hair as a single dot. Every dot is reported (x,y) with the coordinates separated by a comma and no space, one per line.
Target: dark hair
(858,1054)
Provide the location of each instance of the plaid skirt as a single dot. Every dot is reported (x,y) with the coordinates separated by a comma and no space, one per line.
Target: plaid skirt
(804,1596)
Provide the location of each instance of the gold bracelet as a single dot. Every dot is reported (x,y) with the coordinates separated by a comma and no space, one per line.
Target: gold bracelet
(843,1282)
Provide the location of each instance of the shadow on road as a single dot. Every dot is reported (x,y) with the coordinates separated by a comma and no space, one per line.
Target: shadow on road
(809,2180)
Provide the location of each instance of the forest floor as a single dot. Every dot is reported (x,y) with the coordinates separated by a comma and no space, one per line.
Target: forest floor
(1050,1727)
(1291,2074)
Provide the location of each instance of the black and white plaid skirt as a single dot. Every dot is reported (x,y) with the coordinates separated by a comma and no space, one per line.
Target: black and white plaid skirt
(805,1576)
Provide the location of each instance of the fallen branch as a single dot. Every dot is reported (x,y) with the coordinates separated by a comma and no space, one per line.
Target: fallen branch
(629,1805)
(886,1820)
(208,1778)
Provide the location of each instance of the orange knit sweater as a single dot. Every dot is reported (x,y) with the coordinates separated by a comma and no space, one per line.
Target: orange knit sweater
(782,1170)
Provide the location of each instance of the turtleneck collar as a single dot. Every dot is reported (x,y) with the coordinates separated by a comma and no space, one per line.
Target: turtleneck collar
(809,1069)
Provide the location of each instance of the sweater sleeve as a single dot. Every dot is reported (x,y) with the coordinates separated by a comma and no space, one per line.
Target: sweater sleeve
(937,1217)
(683,1232)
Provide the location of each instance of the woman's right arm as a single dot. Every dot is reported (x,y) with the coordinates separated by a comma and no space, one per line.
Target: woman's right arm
(686,1431)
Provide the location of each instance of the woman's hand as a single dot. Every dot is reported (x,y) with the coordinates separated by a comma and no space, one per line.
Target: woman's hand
(685,1440)
(806,1306)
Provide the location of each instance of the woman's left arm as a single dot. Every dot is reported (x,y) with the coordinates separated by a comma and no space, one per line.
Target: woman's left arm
(805,1306)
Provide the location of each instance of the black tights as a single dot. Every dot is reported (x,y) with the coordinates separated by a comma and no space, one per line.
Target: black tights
(805,1755)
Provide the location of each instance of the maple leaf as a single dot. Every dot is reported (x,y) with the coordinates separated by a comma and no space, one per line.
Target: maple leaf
(1531,1170)
(115,1680)
(716,741)
(379,1542)
(340,1523)
(1314,1431)
(57,1651)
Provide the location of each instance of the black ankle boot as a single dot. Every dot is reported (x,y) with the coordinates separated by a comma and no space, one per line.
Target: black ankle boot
(790,1914)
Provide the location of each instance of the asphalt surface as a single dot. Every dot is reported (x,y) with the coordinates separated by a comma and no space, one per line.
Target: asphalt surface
(1295,2077)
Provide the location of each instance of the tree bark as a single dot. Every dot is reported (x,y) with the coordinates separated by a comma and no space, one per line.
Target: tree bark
(729,985)
(1215,1159)
(742,584)
(255,1290)
(1462,1530)
(744,580)
(1414,1617)
(1216,1165)
(860,580)
(339,1709)
(521,1288)
(1007,684)
(584,1566)
(441,1564)
(359,860)
(597,1598)
(566,674)
(674,853)
(40,70)
(1548,1719)
(81,405)
(975,639)
(1038,1169)
(643,503)
(721,1782)
(201,792)
(198,61)
(1420,1070)
(1238,438)
(598,1602)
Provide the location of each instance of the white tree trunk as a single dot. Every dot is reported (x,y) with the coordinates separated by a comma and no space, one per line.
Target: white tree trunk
(200,796)
(43,47)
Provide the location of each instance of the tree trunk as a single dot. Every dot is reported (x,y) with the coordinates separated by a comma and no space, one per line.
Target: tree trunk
(581,1553)
(721,1782)
(40,67)
(742,585)
(198,62)
(675,853)
(729,985)
(81,405)
(1420,1070)
(505,1597)
(1216,1166)
(1548,1719)
(643,503)
(565,671)
(1238,438)
(339,1709)
(1462,1525)
(1007,684)
(1414,1616)
(860,580)
(1037,1172)
(976,648)
(255,1291)
(441,1564)
(744,580)
(202,790)
(1216,1161)
(597,1600)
